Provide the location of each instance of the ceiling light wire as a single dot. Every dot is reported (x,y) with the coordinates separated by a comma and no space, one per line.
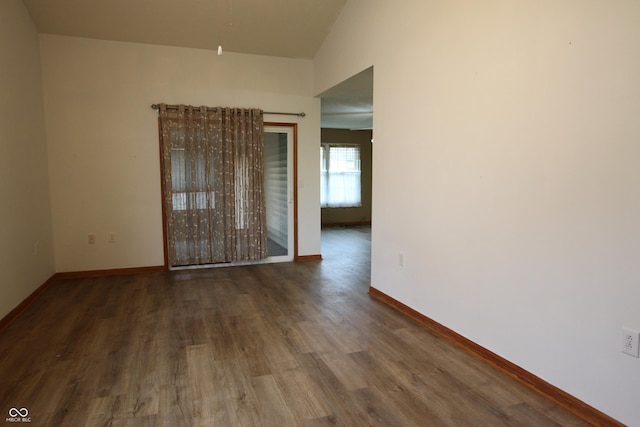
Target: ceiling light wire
(222,24)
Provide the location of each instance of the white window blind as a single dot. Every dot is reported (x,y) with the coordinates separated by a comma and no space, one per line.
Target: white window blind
(340,182)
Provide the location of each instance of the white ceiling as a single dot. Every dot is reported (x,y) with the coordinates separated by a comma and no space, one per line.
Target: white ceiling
(286,28)
(283,28)
(349,105)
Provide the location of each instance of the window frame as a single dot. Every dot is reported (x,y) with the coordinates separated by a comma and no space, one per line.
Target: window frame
(326,174)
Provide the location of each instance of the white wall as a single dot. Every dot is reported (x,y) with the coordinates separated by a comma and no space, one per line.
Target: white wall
(103,138)
(507,143)
(26,242)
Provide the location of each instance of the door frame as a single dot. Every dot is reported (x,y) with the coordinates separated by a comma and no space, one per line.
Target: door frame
(294,128)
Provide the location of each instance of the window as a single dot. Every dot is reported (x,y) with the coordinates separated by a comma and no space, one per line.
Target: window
(340,176)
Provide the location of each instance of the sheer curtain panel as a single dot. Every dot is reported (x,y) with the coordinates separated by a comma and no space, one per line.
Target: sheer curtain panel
(213,184)
(340,181)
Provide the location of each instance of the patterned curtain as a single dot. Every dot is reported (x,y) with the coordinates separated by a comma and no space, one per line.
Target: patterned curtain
(213,184)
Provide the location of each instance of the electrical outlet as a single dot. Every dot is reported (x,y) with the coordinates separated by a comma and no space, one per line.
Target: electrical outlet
(401,259)
(112,237)
(92,239)
(630,340)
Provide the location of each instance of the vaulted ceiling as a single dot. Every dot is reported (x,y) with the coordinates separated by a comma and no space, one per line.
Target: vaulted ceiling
(285,28)
(282,28)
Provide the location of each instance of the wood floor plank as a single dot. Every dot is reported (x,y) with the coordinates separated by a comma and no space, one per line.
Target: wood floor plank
(524,414)
(304,400)
(204,378)
(271,403)
(291,344)
(311,337)
(379,408)
(468,375)
(100,411)
(420,403)
(274,346)
(347,370)
(239,394)
(248,344)
(336,396)
(176,407)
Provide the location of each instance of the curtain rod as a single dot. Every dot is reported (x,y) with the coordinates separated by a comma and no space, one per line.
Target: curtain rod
(175,107)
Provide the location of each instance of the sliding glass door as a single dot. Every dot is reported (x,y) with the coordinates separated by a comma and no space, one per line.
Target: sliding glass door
(191,198)
(279,191)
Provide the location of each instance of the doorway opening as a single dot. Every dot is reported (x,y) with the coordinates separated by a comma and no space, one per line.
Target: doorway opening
(347,125)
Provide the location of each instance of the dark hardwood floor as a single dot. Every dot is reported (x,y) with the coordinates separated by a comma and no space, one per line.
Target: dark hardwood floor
(293,344)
